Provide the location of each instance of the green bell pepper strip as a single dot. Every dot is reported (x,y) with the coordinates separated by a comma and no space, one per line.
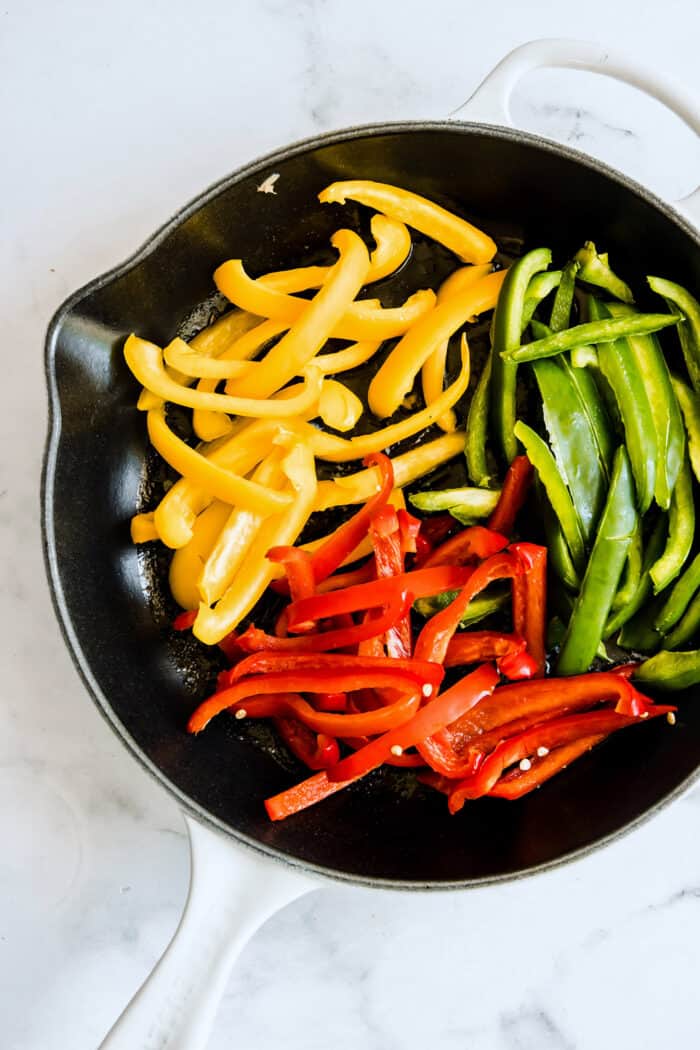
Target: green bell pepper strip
(638,634)
(678,297)
(681,593)
(652,551)
(507,329)
(632,573)
(595,269)
(605,565)
(690,408)
(543,461)
(670,670)
(681,529)
(591,332)
(477,429)
(560,317)
(665,412)
(478,503)
(572,441)
(584,357)
(687,627)
(538,289)
(560,559)
(619,369)
(479,608)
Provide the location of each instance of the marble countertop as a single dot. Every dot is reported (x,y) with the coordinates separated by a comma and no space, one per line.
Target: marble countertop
(112,116)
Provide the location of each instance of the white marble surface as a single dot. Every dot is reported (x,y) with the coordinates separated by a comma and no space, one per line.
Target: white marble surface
(112,115)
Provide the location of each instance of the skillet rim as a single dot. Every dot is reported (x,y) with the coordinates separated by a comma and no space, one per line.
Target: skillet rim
(53,440)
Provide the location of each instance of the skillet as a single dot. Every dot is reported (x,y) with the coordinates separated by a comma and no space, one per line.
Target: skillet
(111,599)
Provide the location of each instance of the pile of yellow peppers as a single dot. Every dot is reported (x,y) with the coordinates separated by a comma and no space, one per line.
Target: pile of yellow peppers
(251,483)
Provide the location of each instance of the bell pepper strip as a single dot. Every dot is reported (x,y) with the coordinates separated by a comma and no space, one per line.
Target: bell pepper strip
(516,666)
(477,428)
(538,289)
(507,328)
(624,614)
(186,563)
(689,404)
(409,527)
(339,580)
(385,533)
(465,240)
(471,543)
(217,337)
(572,442)
(437,528)
(559,554)
(146,362)
(298,568)
(256,572)
(302,795)
(639,635)
(470,647)
(681,530)
(143,529)
(365,444)
(423,549)
(359,487)
(557,733)
(615,531)
(632,573)
(315,321)
(516,783)
(360,320)
(477,610)
(595,269)
(530,603)
(433,716)
(216,567)
(557,493)
(434,639)
(339,407)
(687,626)
(348,358)
(331,701)
(255,640)
(670,670)
(378,593)
(688,326)
(560,317)
(472,502)
(420,672)
(216,480)
(193,365)
(605,331)
(512,496)
(315,750)
(665,413)
(683,590)
(396,376)
(184,620)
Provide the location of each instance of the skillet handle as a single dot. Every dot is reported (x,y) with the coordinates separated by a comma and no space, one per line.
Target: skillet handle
(232,892)
(490,103)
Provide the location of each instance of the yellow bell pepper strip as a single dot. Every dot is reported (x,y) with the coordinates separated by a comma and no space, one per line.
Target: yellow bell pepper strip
(506,336)
(350,357)
(146,362)
(216,571)
(179,355)
(257,572)
(359,487)
(338,407)
(186,563)
(219,336)
(466,241)
(216,480)
(689,404)
(365,319)
(681,530)
(143,528)
(395,378)
(393,244)
(433,370)
(359,447)
(317,319)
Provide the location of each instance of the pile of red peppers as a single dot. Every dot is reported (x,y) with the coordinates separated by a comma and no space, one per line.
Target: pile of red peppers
(350,688)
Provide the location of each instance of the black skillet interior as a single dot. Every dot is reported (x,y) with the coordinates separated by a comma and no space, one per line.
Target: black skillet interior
(112,599)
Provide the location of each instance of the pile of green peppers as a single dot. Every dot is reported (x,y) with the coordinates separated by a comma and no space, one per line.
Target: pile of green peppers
(615,457)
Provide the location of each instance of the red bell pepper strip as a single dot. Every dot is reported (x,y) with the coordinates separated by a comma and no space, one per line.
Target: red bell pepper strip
(344,540)
(415,672)
(372,646)
(406,760)
(315,750)
(530,602)
(421,583)
(513,494)
(515,666)
(364,574)
(470,647)
(410,531)
(435,528)
(297,565)
(517,783)
(433,716)
(230,648)
(518,706)
(424,549)
(302,795)
(254,640)
(331,701)
(184,620)
(471,543)
(550,735)
(434,639)
(388,558)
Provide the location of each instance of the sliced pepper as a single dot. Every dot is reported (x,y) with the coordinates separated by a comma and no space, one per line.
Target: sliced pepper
(530,602)
(688,324)
(385,532)
(516,782)
(681,530)
(470,647)
(477,610)
(683,590)
(315,750)
(595,269)
(516,485)
(186,563)
(477,428)
(465,240)
(143,528)
(687,626)
(538,289)
(668,670)
(560,317)
(638,600)
(471,502)
(598,332)
(690,408)
(471,543)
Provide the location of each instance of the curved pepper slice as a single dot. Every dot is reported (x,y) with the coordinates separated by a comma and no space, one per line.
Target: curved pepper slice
(350,357)
(470,543)
(477,428)
(678,297)
(143,528)
(186,563)
(470,647)
(422,672)
(681,530)
(689,404)
(530,603)
(687,626)
(396,376)
(465,240)
(315,750)
(595,269)
(512,496)
(516,783)
(638,600)
(668,670)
